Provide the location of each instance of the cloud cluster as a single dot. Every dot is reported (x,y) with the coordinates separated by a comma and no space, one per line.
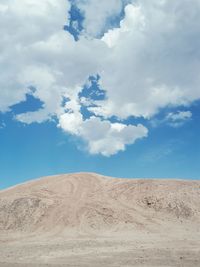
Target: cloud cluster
(150,61)
(102,136)
(24,24)
(154,60)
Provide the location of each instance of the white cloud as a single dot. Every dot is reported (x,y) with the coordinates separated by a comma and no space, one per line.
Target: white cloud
(154,59)
(71,122)
(97,14)
(134,21)
(177,119)
(179,116)
(2,124)
(151,61)
(173,119)
(24,23)
(37,52)
(102,136)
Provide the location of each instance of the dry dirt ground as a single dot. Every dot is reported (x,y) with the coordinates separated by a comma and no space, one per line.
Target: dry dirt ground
(89,220)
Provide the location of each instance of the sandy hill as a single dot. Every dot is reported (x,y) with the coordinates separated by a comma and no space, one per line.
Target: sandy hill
(90,203)
(87,220)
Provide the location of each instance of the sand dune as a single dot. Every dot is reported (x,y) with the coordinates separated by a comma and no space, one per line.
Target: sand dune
(87,219)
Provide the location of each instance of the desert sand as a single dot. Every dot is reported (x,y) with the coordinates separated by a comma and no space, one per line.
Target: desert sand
(89,220)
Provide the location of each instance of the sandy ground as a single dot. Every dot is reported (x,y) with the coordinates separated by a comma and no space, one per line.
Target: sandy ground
(143,250)
(93,221)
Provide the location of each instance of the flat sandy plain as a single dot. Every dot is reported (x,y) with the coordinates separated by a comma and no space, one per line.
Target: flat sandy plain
(89,220)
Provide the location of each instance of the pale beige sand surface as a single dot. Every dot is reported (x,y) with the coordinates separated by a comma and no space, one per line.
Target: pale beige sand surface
(90,220)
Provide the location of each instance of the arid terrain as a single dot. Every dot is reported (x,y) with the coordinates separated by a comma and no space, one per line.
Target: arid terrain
(89,220)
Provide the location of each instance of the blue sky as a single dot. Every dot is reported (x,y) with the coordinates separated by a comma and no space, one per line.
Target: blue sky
(116,94)
(37,150)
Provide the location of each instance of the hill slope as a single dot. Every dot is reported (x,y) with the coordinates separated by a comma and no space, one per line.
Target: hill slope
(90,203)
(88,220)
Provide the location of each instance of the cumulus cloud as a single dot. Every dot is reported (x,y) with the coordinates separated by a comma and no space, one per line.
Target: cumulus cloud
(93,24)
(24,23)
(150,61)
(154,59)
(102,136)
(38,53)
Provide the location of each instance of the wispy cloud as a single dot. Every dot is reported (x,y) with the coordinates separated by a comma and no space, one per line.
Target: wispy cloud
(173,119)
(2,125)
(177,119)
